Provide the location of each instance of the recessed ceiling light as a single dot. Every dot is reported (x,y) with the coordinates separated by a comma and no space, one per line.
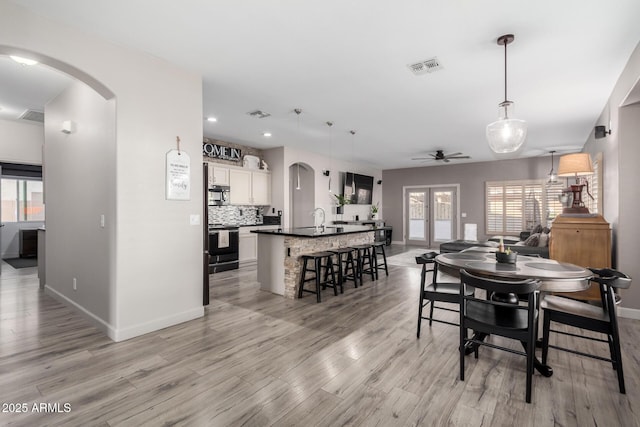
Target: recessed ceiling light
(212,119)
(23,61)
(266,134)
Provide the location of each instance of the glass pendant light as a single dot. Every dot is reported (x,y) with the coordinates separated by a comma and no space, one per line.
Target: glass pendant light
(507,134)
(553,176)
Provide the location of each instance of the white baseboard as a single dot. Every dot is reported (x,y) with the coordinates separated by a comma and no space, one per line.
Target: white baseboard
(131,331)
(157,324)
(628,313)
(397,242)
(98,322)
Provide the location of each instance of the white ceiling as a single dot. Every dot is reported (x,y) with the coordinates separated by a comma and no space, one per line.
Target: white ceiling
(346,62)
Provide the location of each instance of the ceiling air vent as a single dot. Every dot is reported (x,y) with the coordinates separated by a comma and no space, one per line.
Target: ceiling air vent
(426,66)
(34,116)
(258,114)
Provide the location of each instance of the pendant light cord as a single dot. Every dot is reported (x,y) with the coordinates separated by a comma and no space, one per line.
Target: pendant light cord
(298,111)
(505,72)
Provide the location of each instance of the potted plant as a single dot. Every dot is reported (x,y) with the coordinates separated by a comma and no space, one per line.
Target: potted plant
(374,210)
(341,200)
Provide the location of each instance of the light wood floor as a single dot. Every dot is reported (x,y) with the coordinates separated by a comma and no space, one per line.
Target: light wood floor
(257,359)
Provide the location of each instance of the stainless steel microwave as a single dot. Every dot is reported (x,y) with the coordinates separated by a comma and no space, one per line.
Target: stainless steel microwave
(219,195)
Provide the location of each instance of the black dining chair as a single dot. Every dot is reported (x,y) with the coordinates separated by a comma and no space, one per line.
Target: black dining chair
(583,315)
(493,317)
(446,292)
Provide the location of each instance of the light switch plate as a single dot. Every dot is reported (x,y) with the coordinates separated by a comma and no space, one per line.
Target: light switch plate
(194,219)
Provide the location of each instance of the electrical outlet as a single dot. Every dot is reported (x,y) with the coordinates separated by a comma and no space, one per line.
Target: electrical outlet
(75,284)
(102,221)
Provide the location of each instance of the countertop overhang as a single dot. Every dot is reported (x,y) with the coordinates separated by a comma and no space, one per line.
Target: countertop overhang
(320,232)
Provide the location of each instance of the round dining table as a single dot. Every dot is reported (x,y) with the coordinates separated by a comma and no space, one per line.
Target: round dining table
(554,276)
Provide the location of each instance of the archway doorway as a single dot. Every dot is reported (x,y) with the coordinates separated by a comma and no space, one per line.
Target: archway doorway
(302,195)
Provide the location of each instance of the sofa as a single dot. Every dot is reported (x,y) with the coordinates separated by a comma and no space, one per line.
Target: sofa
(534,242)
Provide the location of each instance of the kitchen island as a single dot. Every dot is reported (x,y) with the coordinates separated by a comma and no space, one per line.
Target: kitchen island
(279,252)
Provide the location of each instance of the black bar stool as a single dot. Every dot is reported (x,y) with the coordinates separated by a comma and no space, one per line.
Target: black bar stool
(347,269)
(365,261)
(317,266)
(378,249)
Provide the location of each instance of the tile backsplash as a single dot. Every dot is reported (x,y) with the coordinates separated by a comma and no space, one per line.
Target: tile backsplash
(235,215)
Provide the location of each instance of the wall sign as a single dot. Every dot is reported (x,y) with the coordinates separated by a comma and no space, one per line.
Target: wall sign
(178,170)
(216,151)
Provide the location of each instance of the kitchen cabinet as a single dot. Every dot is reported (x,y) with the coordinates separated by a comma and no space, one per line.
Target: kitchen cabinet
(261,188)
(240,182)
(248,247)
(218,175)
(250,187)
(28,242)
(248,243)
(584,241)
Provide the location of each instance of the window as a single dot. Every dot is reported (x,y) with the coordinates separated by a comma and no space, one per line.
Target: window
(593,185)
(514,206)
(22,200)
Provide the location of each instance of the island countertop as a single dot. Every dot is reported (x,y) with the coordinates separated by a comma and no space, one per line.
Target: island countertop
(312,232)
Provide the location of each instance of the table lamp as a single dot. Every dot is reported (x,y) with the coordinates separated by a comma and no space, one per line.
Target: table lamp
(578,165)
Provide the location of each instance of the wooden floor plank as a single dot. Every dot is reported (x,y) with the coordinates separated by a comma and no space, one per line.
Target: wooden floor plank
(258,359)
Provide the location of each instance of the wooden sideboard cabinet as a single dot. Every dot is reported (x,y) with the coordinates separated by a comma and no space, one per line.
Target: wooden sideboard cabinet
(584,241)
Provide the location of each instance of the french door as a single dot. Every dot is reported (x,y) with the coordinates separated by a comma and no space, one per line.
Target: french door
(431,215)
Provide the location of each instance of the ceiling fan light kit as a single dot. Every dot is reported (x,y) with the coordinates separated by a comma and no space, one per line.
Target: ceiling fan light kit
(507,134)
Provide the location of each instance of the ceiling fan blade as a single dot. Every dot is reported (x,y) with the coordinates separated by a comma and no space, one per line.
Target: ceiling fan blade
(421,158)
(452,155)
(458,157)
(446,160)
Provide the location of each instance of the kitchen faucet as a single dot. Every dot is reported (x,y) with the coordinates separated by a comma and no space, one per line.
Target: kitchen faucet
(318,212)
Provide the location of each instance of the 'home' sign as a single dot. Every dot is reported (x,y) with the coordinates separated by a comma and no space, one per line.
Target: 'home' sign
(216,151)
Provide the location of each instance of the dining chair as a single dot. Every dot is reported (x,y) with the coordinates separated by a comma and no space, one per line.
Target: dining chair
(599,318)
(447,292)
(492,317)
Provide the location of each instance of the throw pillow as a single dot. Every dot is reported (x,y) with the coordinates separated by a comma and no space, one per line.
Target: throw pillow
(532,240)
(537,229)
(546,230)
(544,240)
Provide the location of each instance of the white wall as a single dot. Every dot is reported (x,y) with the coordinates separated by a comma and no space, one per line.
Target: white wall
(621,155)
(156,271)
(21,142)
(80,184)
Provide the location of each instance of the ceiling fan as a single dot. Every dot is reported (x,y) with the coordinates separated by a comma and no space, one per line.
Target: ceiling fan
(441,156)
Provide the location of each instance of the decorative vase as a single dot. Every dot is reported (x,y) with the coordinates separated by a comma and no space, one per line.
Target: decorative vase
(339,210)
(374,216)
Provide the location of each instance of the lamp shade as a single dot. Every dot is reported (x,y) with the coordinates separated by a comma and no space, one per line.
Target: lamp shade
(577,164)
(506,135)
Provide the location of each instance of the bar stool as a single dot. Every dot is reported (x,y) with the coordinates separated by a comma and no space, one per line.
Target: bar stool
(378,249)
(346,263)
(317,267)
(364,260)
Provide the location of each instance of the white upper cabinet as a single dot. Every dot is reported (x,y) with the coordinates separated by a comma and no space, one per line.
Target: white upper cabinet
(261,188)
(218,175)
(250,187)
